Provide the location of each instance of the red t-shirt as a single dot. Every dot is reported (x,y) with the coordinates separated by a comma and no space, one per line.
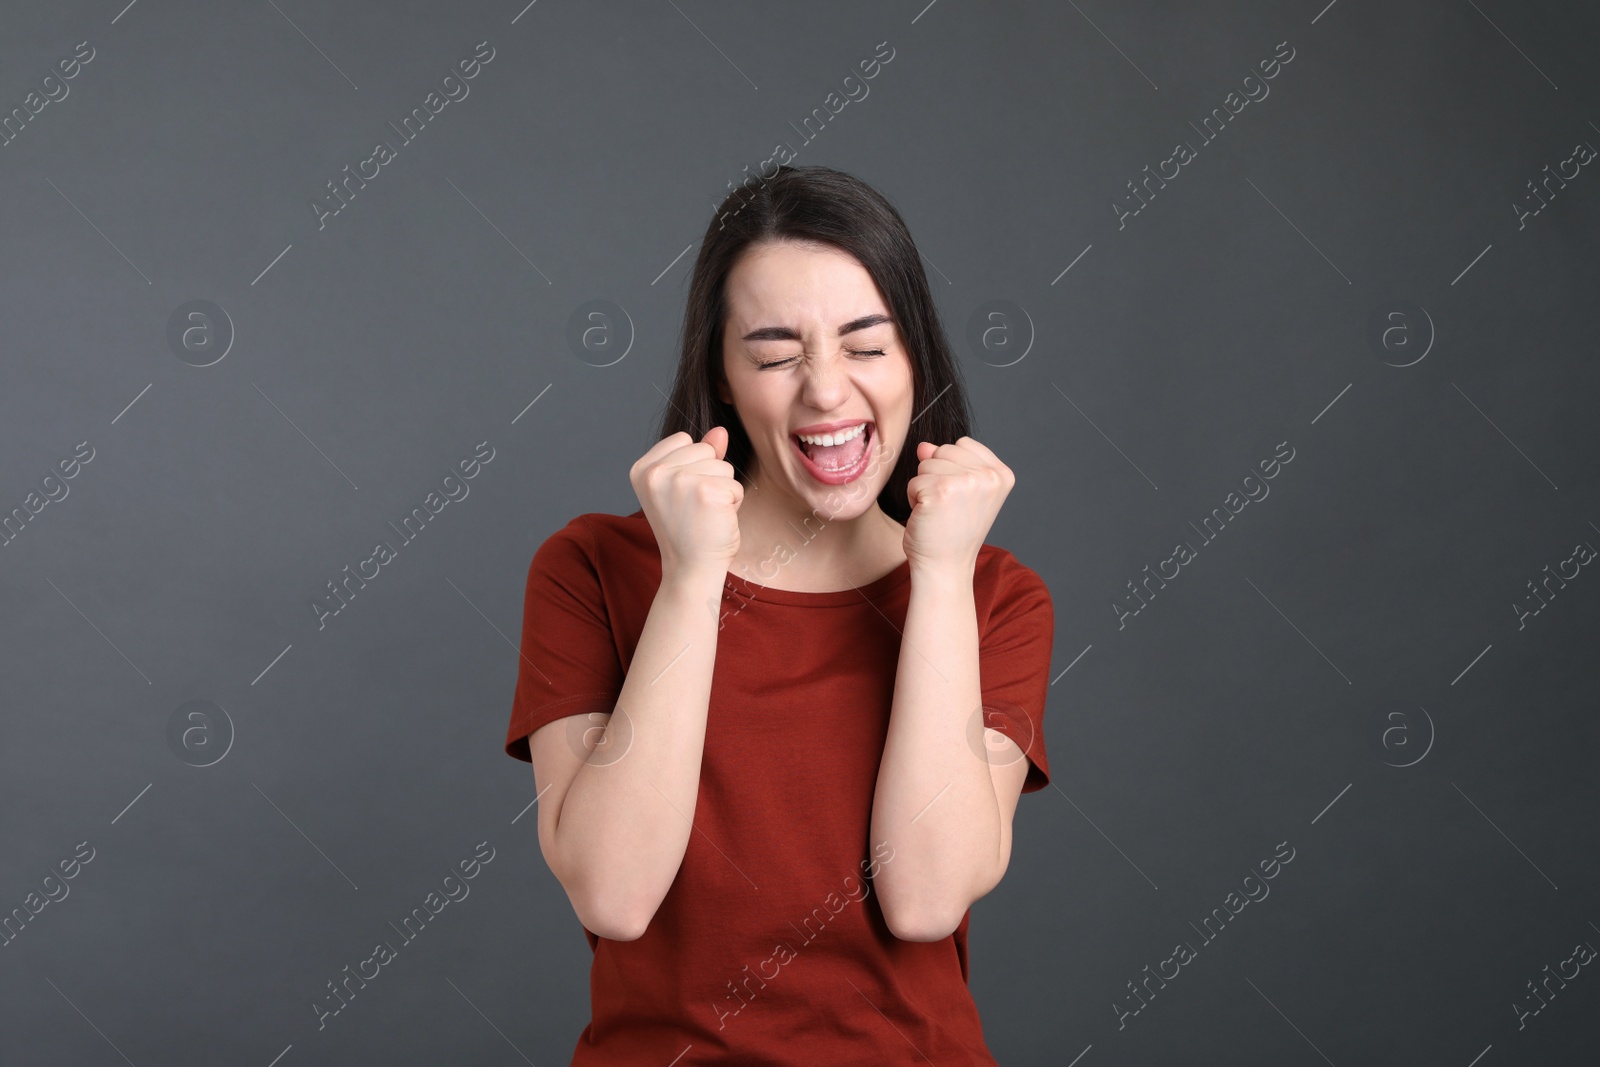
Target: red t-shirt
(770,947)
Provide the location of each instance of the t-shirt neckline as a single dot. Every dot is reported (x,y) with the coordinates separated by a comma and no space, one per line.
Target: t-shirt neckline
(739,586)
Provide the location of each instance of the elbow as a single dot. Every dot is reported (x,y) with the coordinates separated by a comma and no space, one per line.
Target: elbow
(925,924)
(622,929)
(928,918)
(613,919)
(607,907)
(607,913)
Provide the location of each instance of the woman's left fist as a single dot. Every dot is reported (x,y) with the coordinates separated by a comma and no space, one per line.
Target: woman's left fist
(954,497)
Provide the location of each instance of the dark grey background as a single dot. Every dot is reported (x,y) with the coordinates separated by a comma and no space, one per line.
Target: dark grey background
(1359,617)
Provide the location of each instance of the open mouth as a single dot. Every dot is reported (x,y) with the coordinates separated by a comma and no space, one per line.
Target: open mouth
(843,460)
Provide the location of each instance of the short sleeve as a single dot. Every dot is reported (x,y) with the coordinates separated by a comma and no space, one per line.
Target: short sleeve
(568,663)
(1014,664)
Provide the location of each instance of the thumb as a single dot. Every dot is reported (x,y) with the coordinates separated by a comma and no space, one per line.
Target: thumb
(717,438)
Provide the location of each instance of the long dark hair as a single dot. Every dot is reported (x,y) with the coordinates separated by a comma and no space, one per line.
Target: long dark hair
(829,207)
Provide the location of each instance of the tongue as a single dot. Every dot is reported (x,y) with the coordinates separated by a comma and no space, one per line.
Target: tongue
(838,457)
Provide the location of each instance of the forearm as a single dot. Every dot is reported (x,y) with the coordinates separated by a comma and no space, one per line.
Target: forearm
(935,798)
(626,819)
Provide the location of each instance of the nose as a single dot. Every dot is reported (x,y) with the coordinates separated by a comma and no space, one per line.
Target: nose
(827,383)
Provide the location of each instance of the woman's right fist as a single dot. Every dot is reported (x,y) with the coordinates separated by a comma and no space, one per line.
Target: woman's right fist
(691,497)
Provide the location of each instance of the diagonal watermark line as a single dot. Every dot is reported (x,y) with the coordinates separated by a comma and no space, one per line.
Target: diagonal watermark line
(490,1021)
(1468,667)
(131,803)
(1113,44)
(929,404)
(698,433)
(675,659)
(1074,263)
(929,804)
(101,632)
(501,232)
(674,263)
(88,1020)
(1332,402)
(1297,630)
(1502,833)
(101,232)
(1324,11)
(313,44)
(695,431)
(1475,259)
(532,402)
(274,662)
(886,1019)
(524,11)
(1331,803)
(531,803)
(1102,833)
(501,632)
(1509,441)
(1289,1021)
(902,634)
(309,441)
(274,263)
(132,402)
(702,833)
(1513,44)
(713,44)
(310,842)
(1301,232)
(1102,433)
(1069,666)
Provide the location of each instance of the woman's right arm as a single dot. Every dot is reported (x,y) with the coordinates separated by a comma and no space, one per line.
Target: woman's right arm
(617,795)
(614,822)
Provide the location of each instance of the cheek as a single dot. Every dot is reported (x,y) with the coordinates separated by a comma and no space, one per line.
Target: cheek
(905,379)
(763,422)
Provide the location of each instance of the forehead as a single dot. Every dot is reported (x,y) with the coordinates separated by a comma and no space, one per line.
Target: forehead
(782,282)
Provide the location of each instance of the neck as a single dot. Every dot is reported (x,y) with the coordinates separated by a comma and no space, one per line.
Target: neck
(787,543)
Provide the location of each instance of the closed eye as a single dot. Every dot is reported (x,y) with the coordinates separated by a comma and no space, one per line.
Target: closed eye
(852,351)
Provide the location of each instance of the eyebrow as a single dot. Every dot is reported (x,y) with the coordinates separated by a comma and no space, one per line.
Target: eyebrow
(785,333)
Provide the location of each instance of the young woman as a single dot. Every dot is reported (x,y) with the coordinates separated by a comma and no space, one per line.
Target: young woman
(780,716)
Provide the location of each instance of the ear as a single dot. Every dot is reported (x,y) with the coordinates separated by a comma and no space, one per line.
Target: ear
(723,393)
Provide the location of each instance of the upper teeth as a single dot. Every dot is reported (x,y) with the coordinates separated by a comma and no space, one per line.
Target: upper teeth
(839,438)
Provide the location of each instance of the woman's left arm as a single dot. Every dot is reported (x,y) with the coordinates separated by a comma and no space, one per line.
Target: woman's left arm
(947,784)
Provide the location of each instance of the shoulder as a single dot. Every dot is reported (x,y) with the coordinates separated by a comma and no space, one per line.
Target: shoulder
(594,529)
(1010,597)
(1004,578)
(611,534)
(601,541)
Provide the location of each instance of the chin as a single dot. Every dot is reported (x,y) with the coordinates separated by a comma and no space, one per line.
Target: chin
(844,502)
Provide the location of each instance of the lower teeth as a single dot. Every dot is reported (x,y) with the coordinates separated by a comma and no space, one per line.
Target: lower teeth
(822,466)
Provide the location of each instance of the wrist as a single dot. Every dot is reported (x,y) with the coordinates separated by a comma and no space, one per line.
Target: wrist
(697,580)
(943,576)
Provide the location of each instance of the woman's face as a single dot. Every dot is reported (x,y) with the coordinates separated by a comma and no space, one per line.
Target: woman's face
(808,347)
